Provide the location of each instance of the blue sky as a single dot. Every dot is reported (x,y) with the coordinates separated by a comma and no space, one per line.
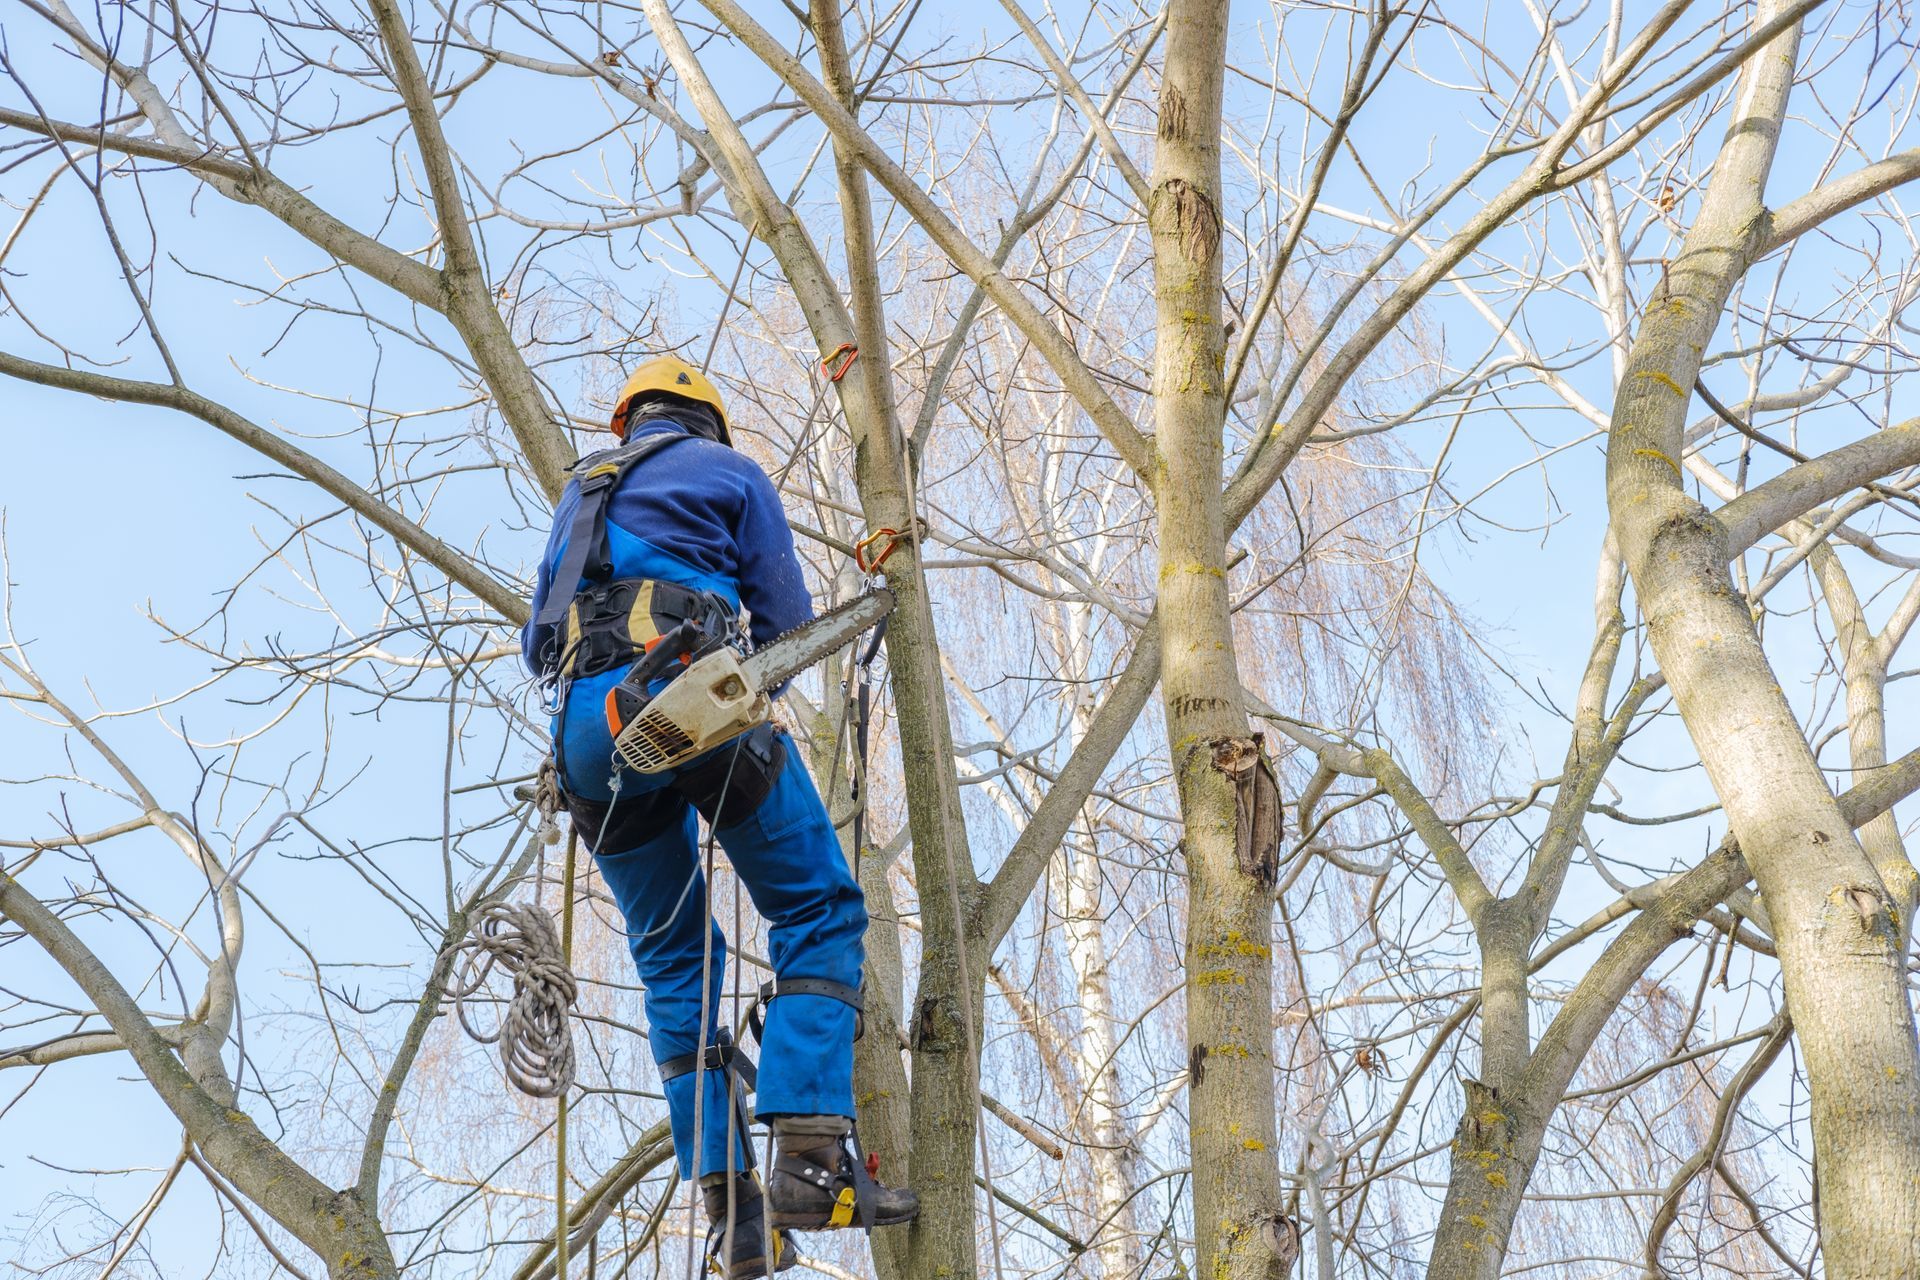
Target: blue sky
(114,512)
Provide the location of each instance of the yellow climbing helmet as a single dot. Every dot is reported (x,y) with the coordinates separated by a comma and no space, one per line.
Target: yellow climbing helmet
(669,375)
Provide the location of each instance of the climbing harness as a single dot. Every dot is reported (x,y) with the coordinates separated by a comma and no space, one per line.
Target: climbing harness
(661,631)
(612,621)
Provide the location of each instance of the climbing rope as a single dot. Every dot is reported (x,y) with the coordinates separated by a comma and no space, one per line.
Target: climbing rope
(535,1036)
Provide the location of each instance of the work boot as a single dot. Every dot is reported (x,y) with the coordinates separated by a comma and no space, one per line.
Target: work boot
(742,1255)
(817,1186)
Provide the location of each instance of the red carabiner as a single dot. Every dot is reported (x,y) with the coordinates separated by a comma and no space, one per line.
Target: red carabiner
(860,549)
(844,353)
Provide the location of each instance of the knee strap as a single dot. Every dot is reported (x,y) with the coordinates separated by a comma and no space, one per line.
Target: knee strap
(808,987)
(723,1056)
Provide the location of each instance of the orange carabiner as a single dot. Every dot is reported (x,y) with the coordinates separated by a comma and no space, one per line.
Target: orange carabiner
(844,353)
(860,549)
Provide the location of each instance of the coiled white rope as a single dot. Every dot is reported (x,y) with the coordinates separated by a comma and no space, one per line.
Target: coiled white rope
(536,1034)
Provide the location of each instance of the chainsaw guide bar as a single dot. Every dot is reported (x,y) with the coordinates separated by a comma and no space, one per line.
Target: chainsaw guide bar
(723,695)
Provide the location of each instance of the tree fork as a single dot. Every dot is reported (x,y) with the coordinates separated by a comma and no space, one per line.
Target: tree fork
(1841,952)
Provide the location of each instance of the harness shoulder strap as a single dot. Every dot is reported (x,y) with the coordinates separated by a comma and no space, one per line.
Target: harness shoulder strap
(597,475)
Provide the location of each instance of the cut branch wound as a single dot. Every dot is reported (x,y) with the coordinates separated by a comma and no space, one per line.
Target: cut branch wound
(1256,807)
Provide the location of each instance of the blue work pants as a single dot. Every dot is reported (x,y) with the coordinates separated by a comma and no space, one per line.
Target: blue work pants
(788,857)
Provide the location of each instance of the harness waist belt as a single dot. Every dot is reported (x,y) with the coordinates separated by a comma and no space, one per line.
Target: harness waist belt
(611,624)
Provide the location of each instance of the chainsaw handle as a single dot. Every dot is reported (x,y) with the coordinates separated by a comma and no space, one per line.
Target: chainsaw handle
(629,697)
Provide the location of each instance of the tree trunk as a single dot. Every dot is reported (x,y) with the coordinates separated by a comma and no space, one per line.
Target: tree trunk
(1109,1137)
(879,1073)
(949,1005)
(1230,886)
(1866,657)
(340,1228)
(1109,1143)
(1835,925)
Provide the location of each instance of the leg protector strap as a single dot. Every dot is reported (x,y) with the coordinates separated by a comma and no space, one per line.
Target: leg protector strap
(808,987)
(742,1079)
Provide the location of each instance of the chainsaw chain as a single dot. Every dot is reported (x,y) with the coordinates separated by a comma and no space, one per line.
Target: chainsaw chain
(817,620)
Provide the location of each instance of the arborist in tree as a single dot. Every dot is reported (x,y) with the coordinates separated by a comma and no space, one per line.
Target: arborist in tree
(674,527)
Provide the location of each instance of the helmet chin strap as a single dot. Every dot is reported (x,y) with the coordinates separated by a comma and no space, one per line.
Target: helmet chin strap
(698,419)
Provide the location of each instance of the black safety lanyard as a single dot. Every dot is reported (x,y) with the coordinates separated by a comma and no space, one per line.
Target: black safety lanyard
(863,707)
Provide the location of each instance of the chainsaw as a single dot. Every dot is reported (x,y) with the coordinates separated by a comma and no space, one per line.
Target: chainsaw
(722,693)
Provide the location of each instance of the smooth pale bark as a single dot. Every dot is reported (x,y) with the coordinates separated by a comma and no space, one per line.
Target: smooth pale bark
(1499,1139)
(1111,1149)
(1865,656)
(1110,1145)
(1799,489)
(1835,925)
(1797,217)
(1229,946)
(1505,1114)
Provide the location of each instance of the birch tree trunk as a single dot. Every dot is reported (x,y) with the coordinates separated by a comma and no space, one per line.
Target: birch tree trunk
(1229,963)
(1836,925)
(1110,1142)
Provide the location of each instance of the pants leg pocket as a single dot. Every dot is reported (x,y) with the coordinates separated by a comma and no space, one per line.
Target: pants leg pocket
(732,782)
